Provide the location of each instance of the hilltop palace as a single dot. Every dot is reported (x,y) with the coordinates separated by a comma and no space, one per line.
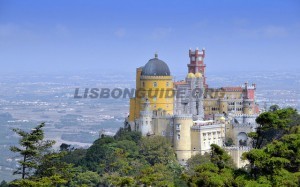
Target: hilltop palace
(199,117)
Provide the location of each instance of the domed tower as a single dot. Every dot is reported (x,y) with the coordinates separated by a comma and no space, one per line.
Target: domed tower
(153,81)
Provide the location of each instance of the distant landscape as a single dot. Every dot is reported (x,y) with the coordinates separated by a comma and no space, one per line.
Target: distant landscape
(28,99)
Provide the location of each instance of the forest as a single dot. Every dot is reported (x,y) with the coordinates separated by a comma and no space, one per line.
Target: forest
(129,159)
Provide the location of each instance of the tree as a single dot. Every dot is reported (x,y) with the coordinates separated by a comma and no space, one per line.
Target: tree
(197,160)
(114,179)
(52,165)
(229,142)
(208,174)
(220,157)
(97,152)
(32,147)
(64,147)
(273,108)
(111,154)
(278,161)
(3,184)
(157,150)
(272,126)
(156,175)
(75,157)
(213,169)
(126,134)
(39,182)
(87,178)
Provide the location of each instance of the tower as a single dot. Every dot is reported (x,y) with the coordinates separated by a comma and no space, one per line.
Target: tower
(195,94)
(182,136)
(135,102)
(145,125)
(196,64)
(154,82)
(249,99)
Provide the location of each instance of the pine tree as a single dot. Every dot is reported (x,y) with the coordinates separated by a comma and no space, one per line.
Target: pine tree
(32,147)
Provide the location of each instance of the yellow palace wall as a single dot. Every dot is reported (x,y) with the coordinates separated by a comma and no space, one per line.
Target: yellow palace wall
(151,87)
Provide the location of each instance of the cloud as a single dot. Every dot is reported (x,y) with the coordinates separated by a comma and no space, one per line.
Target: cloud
(120,33)
(160,33)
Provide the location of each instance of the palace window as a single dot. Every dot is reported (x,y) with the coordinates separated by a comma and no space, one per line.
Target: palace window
(167,84)
(178,136)
(155,84)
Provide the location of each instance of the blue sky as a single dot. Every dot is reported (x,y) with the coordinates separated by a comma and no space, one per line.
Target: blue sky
(109,35)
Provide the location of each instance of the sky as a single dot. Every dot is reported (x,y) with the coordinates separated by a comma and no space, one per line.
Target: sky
(119,36)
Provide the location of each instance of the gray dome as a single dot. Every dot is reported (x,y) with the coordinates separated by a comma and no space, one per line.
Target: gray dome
(156,67)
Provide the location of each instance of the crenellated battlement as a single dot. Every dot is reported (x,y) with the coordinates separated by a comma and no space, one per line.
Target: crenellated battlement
(183,116)
(192,122)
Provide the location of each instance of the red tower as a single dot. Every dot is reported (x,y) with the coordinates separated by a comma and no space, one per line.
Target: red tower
(197,63)
(249,91)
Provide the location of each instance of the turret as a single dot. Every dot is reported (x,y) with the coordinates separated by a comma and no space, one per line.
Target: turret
(249,98)
(194,95)
(145,124)
(182,136)
(196,64)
